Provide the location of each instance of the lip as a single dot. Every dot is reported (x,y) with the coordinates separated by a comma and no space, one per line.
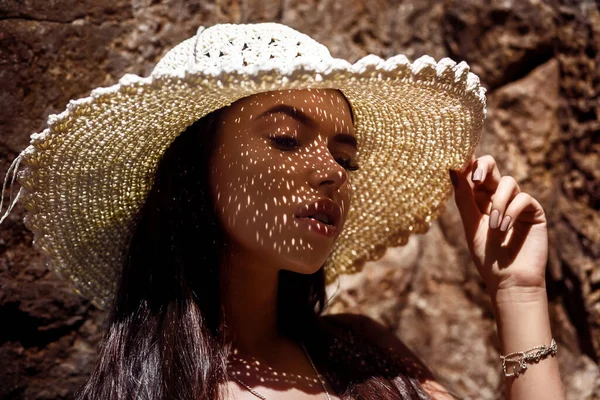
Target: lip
(325,206)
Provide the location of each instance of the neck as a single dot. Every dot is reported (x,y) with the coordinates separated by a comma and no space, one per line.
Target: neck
(251,303)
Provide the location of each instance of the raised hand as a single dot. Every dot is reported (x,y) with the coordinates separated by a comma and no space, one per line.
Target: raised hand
(505,228)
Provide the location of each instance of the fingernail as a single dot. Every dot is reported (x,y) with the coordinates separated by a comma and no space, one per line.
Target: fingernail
(505,223)
(453,178)
(494,215)
(478,174)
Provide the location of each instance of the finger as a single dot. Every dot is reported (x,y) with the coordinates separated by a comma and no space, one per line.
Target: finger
(465,202)
(469,164)
(486,174)
(506,191)
(523,202)
(466,171)
(483,199)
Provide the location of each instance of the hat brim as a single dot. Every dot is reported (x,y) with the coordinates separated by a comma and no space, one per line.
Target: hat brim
(88,173)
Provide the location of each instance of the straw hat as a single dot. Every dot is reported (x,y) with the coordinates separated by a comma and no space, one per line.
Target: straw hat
(88,173)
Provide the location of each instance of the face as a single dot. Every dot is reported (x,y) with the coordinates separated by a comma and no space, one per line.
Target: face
(280,175)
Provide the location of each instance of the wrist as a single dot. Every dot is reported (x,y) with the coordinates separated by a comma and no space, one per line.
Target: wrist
(522,319)
(516,297)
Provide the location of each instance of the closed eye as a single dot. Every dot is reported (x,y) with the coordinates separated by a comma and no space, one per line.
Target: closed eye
(285,143)
(348,164)
(290,143)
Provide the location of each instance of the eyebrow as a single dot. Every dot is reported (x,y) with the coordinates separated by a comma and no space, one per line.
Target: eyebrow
(346,138)
(306,119)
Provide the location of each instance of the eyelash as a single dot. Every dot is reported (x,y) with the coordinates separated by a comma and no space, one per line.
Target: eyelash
(285,143)
(349,165)
(288,143)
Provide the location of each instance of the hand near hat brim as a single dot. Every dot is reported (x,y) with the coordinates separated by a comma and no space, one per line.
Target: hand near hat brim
(505,229)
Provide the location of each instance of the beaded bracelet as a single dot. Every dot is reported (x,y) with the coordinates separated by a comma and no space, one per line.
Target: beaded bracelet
(519,359)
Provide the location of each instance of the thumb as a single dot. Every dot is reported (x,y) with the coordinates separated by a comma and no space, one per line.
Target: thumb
(465,201)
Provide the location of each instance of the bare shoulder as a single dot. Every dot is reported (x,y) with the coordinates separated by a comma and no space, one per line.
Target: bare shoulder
(384,338)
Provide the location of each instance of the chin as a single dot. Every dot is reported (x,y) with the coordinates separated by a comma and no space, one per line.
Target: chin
(302,266)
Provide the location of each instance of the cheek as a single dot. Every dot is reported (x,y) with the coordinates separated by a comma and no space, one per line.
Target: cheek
(257,192)
(255,197)
(238,188)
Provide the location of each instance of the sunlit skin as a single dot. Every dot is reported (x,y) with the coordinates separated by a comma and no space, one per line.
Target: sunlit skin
(268,163)
(266,166)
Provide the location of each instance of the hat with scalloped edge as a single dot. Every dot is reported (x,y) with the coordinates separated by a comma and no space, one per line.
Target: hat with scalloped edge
(88,173)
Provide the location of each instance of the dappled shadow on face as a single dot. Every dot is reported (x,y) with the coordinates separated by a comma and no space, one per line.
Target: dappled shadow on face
(278,154)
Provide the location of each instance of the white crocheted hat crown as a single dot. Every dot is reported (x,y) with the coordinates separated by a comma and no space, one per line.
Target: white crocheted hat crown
(227,47)
(87,175)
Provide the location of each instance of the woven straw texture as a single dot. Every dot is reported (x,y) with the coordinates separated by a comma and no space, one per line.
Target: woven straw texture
(88,173)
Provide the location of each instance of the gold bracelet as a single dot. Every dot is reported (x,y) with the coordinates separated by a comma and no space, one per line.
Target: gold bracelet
(519,359)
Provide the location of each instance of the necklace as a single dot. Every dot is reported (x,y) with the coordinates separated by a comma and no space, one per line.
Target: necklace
(260,396)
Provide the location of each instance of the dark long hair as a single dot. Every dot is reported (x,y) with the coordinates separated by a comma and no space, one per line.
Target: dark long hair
(165,336)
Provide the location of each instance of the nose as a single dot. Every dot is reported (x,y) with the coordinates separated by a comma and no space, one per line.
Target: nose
(328,175)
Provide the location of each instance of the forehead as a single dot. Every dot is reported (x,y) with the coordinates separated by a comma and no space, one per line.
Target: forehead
(322,104)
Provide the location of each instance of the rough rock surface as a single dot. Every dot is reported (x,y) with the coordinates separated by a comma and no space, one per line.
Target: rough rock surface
(541,62)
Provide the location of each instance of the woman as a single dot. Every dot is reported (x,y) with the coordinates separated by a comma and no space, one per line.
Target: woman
(257,200)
